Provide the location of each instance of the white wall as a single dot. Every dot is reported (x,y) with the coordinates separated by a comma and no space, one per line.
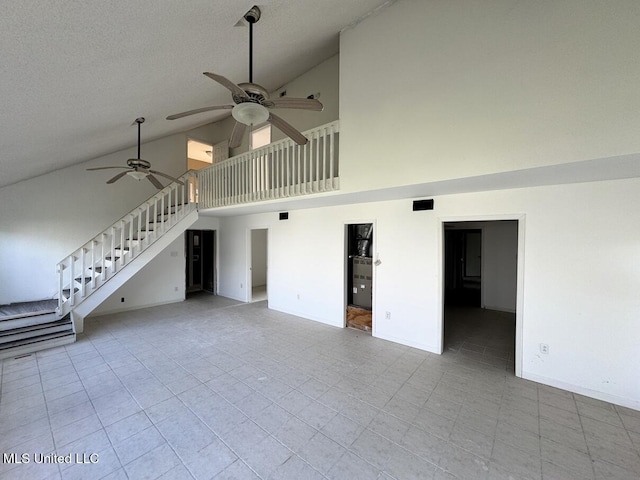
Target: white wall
(440,90)
(159,282)
(580,274)
(499,265)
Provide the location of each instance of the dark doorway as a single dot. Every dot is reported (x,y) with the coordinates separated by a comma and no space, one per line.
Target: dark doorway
(200,261)
(463,267)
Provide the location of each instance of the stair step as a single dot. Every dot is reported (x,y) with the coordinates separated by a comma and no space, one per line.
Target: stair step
(23,320)
(86,279)
(15,336)
(26,309)
(37,344)
(66,292)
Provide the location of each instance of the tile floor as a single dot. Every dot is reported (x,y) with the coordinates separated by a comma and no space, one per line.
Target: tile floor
(209,388)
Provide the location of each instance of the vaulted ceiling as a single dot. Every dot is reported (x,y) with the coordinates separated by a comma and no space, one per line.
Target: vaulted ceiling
(74,75)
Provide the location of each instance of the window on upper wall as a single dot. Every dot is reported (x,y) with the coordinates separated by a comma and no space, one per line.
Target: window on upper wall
(260,137)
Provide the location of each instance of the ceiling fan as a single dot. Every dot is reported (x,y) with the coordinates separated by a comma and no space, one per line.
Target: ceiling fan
(252,102)
(138,168)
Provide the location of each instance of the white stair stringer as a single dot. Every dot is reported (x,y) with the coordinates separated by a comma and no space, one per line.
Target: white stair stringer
(109,287)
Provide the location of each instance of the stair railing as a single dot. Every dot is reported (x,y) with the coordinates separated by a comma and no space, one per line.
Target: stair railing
(278,170)
(90,266)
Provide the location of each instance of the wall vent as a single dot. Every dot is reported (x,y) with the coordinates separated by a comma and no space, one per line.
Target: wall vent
(419,205)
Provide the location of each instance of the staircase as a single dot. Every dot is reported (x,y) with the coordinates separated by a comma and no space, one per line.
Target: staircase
(33,326)
(92,273)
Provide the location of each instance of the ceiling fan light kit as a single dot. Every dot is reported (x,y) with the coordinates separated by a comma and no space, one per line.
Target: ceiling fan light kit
(252,102)
(250,113)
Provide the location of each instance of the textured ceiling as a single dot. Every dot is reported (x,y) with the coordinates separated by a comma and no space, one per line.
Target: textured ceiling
(74,75)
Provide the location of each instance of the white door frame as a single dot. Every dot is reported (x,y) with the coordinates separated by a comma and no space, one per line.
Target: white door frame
(520,218)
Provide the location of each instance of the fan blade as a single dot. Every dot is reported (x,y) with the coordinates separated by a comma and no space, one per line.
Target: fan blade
(104,168)
(117,177)
(225,82)
(287,129)
(299,103)
(199,110)
(166,176)
(155,181)
(237,134)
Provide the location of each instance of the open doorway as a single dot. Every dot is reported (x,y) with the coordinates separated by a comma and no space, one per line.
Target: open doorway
(359,276)
(258,268)
(480,285)
(202,154)
(200,261)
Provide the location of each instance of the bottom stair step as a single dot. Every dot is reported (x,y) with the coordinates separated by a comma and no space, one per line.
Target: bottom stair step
(16,335)
(37,344)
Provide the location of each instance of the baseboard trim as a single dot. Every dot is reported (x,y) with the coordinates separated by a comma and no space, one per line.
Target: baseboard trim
(409,343)
(134,307)
(304,315)
(587,392)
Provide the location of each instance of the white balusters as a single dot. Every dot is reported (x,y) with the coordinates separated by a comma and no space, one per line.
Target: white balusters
(278,170)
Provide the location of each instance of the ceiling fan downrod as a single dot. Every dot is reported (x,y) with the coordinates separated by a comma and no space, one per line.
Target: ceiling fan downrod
(252,16)
(139,120)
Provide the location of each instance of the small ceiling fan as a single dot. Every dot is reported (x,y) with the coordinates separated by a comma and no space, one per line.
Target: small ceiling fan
(252,102)
(138,168)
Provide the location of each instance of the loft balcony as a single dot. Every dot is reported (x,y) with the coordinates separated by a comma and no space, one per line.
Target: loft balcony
(279,170)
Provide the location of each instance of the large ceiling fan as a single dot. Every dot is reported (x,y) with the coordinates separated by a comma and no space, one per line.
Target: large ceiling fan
(252,102)
(138,168)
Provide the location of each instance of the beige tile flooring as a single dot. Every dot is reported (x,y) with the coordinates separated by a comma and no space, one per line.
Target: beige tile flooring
(209,388)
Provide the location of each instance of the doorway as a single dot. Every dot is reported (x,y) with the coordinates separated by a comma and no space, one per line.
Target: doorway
(359,276)
(258,264)
(481,290)
(200,261)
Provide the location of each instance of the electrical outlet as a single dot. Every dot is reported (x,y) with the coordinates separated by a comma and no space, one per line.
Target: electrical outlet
(544,348)
(387,315)
(122,299)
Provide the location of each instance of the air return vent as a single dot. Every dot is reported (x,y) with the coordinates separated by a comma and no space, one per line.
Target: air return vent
(419,205)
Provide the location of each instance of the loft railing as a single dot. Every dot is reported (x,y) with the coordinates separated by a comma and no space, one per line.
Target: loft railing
(90,266)
(278,170)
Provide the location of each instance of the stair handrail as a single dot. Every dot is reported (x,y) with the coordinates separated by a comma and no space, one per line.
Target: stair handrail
(156,194)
